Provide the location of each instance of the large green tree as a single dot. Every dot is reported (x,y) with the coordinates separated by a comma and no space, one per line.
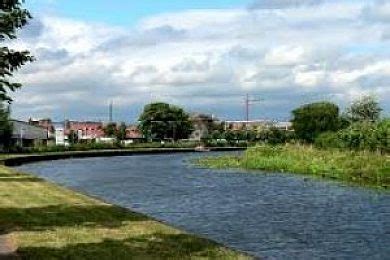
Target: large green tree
(313,119)
(163,121)
(365,108)
(12,18)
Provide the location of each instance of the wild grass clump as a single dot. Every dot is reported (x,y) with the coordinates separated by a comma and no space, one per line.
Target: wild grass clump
(365,168)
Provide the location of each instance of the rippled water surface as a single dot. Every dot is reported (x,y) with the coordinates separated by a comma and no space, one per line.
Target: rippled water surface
(276,216)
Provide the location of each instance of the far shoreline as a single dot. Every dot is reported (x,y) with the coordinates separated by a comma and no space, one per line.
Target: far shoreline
(19,159)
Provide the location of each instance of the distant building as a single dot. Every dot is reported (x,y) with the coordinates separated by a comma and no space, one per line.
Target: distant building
(133,132)
(257,125)
(27,135)
(59,134)
(46,124)
(85,130)
(202,124)
(250,125)
(286,126)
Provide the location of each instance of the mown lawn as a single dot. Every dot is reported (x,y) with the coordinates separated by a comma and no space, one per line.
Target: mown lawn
(364,168)
(50,222)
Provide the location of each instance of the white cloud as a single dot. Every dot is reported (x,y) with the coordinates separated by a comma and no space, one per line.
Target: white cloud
(281,4)
(378,11)
(285,54)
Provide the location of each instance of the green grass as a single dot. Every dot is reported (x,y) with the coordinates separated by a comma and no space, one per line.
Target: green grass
(50,222)
(363,168)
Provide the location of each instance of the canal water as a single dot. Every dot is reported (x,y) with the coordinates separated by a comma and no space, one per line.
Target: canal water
(274,216)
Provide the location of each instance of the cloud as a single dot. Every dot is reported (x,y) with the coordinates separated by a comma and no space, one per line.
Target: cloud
(282,4)
(33,29)
(205,59)
(378,11)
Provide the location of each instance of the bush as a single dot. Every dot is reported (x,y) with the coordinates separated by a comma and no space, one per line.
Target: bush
(358,136)
(311,120)
(275,136)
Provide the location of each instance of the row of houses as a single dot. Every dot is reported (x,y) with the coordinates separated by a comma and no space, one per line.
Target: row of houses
(257,125)
(47,132)
(203,123)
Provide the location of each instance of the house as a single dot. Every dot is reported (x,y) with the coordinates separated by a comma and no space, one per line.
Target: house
(60,131)
(133,134)
(59,134)
(257,125)
(203,124)
(46,124)
(285,126)
(247,125)
(26,135)
(86,131)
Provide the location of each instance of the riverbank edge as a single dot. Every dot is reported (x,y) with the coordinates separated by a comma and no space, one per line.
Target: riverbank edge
(242,162)
(19,160)
(16,159)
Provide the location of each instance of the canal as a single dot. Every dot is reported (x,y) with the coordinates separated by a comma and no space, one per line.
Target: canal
(271,215)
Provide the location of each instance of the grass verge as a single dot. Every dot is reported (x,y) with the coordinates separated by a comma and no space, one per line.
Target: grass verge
(364,168)
(50,222)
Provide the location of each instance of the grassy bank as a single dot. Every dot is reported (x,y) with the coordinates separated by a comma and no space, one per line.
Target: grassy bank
(359,167)
(50,222)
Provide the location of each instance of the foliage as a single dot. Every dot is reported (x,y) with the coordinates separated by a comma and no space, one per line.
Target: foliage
(165,121)
(121,132)
(12,18)
(216,134)
(313,119)
(73,137)
(110,129)
(359,167)
(5,128)
(230,136)
(364,109)
(365,135)
(208,121)
(275,136)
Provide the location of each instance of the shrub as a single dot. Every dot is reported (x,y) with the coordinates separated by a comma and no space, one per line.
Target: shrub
(358,136)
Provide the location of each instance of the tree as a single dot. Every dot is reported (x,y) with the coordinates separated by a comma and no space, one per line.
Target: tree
(164,121)
(364,109)
(216,134)
(121,132)
(12,18)
(230,136)
(313,119)
(73,137)
(110,130)
(5,128)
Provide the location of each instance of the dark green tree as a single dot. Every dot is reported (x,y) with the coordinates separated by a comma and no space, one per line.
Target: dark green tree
(313,119)
(364,109)
(110,130)
(12,18)
(121,132)
(165,121)
(230,136)
(5,128)
(73,137)
(216,134)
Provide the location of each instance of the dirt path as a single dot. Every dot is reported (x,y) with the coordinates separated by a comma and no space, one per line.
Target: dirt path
(7,248)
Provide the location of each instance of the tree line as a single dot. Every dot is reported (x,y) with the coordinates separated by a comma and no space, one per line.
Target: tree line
(359,127)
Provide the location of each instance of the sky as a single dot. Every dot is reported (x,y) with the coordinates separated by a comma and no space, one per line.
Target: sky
(204,56)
